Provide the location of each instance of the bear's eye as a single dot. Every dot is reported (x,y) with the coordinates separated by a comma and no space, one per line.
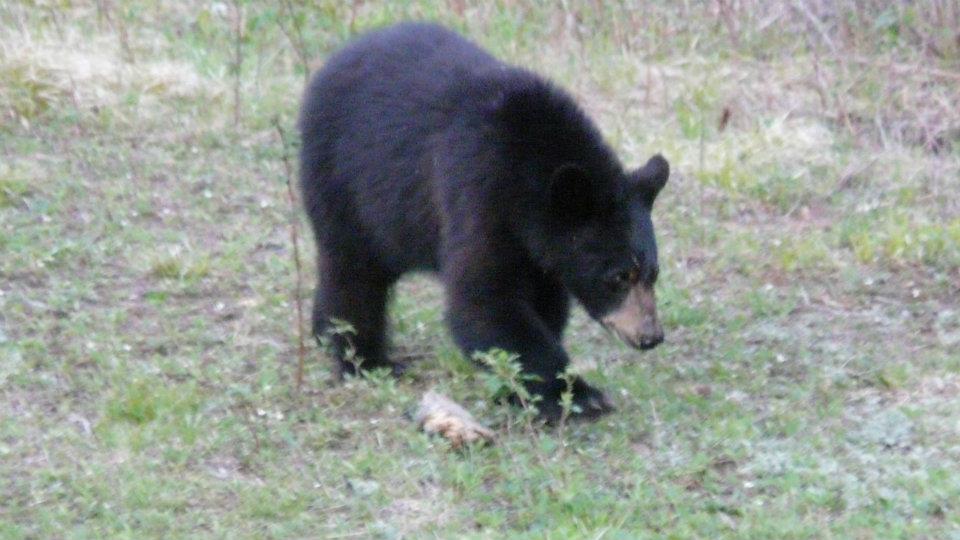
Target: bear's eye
(623,279)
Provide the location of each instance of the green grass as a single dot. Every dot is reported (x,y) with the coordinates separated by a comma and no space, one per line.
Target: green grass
(810,382)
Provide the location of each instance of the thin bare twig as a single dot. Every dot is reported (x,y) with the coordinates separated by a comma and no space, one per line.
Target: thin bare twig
(294,36)
(729,19)
(801,6)
(295,240)
(904,69)
(237,58)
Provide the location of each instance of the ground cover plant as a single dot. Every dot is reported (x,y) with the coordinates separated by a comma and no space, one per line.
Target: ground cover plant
(809,242)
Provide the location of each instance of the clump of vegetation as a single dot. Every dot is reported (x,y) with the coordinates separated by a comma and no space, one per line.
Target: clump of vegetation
(13,186)
(173,267)
(900,238)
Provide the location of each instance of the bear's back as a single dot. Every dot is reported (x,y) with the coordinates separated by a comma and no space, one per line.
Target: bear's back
(367,122)
(388,75)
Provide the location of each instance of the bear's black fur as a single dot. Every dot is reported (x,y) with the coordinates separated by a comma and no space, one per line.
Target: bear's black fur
(420,151)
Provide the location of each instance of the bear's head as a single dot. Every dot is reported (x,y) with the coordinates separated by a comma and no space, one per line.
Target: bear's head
(584,219)
(603,244)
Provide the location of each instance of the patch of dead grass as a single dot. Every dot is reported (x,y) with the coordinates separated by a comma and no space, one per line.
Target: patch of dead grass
(41,73)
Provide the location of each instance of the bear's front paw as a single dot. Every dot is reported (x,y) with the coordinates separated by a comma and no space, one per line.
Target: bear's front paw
(589,403)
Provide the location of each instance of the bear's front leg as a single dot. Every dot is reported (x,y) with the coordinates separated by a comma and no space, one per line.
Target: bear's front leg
(480,324)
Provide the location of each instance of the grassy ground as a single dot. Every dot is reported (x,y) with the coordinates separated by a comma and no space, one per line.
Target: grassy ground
(809,386)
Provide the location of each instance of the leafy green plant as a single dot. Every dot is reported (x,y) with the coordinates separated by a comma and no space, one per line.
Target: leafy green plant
(504,378)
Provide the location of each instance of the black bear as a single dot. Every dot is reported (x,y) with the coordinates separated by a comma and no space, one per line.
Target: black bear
(420,151)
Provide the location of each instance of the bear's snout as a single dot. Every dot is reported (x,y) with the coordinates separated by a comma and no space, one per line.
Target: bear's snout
(635,320)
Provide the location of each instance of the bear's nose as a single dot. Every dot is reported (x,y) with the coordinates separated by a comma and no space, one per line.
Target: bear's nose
(649,342)
(635,320)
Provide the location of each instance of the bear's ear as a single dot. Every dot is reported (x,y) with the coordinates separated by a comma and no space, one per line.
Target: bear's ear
(572,195)
(647,181)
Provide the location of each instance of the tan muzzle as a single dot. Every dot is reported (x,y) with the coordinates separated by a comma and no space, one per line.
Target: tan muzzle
(635,321)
